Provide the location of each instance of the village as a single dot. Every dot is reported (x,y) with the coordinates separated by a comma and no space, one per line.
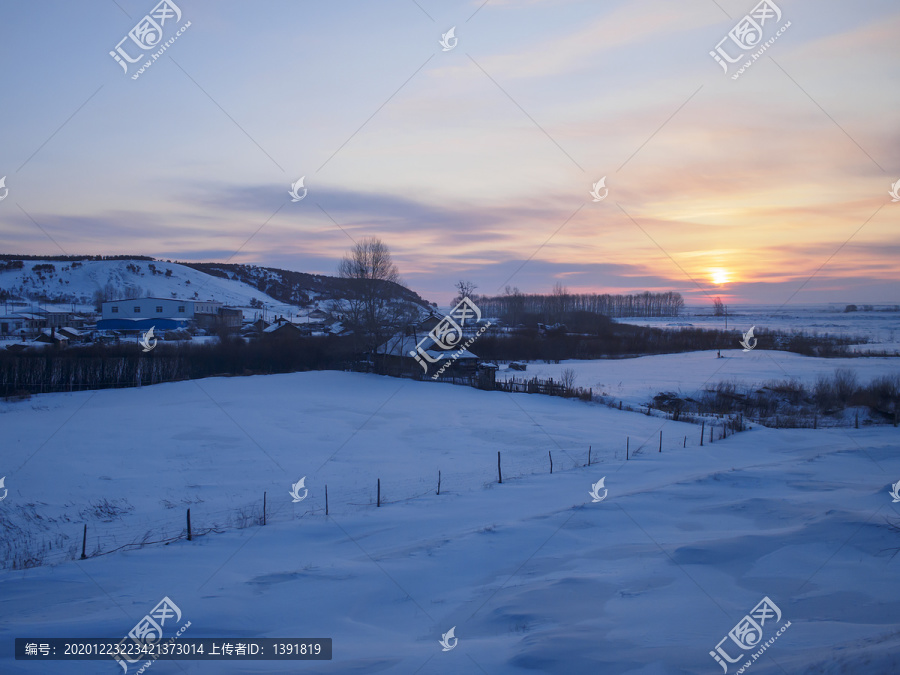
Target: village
(185,321)
(171,319)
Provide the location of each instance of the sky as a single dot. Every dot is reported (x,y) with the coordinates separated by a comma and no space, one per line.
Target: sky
(769,185)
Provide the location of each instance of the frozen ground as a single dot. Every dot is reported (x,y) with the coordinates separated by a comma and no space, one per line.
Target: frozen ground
(533,574)
(880,328)
(636,381)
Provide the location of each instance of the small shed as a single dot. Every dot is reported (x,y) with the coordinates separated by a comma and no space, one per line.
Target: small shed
(318,315)
(72,333)
(283,330)
(50,336)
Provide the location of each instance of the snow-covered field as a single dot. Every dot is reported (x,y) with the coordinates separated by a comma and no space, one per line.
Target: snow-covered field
(636,381)
(534,575)
(880,328)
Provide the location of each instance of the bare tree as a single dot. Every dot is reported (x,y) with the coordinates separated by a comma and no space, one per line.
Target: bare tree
(567,379)
(719,308)
(375,289)
(110,292)
(513,303)
(559,302)
(464,289)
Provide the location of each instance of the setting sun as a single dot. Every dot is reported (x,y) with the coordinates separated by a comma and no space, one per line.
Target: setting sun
(720,276)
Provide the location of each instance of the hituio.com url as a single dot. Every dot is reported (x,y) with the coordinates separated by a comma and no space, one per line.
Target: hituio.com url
(764,647)
(168,43)
(765,46)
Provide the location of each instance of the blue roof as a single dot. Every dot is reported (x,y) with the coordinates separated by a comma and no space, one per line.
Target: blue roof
(141,324)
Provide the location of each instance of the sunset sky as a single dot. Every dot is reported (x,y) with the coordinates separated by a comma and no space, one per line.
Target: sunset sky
(472,161)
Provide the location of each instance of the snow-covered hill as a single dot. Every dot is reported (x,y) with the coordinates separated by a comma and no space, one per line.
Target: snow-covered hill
(59,282)
(68,282)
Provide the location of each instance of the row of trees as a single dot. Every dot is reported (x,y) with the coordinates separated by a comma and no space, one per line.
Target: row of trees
(514,305)
(125,365)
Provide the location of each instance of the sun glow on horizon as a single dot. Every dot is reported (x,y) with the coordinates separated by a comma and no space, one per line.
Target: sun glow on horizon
(719,276)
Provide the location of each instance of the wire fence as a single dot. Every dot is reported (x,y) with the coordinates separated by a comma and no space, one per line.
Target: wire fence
(31,538)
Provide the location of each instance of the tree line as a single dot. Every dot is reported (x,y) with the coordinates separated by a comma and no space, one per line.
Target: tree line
(52,369)
(513,305)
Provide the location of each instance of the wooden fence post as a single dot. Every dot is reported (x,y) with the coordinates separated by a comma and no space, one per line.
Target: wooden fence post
(660,441)
(378,504)
(326,499)
(189,524)
(702,429)
(589,455)
(685,442)
(439,481)
(84,542)
(551,460)
(627,439)
(499,474)
(711,432)
(264,508)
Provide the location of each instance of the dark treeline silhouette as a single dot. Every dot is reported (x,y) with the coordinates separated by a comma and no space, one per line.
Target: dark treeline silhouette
(125,365)
(49,369)
(615,340)
(513,306)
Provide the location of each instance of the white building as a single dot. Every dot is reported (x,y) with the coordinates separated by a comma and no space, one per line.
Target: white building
(206,307)
(148,308)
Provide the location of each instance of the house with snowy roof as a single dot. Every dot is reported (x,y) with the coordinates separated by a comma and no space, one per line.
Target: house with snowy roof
(51,336)
(413,352)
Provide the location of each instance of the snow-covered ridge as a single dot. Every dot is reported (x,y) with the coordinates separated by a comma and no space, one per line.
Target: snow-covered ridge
(59,282)
(78,282)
